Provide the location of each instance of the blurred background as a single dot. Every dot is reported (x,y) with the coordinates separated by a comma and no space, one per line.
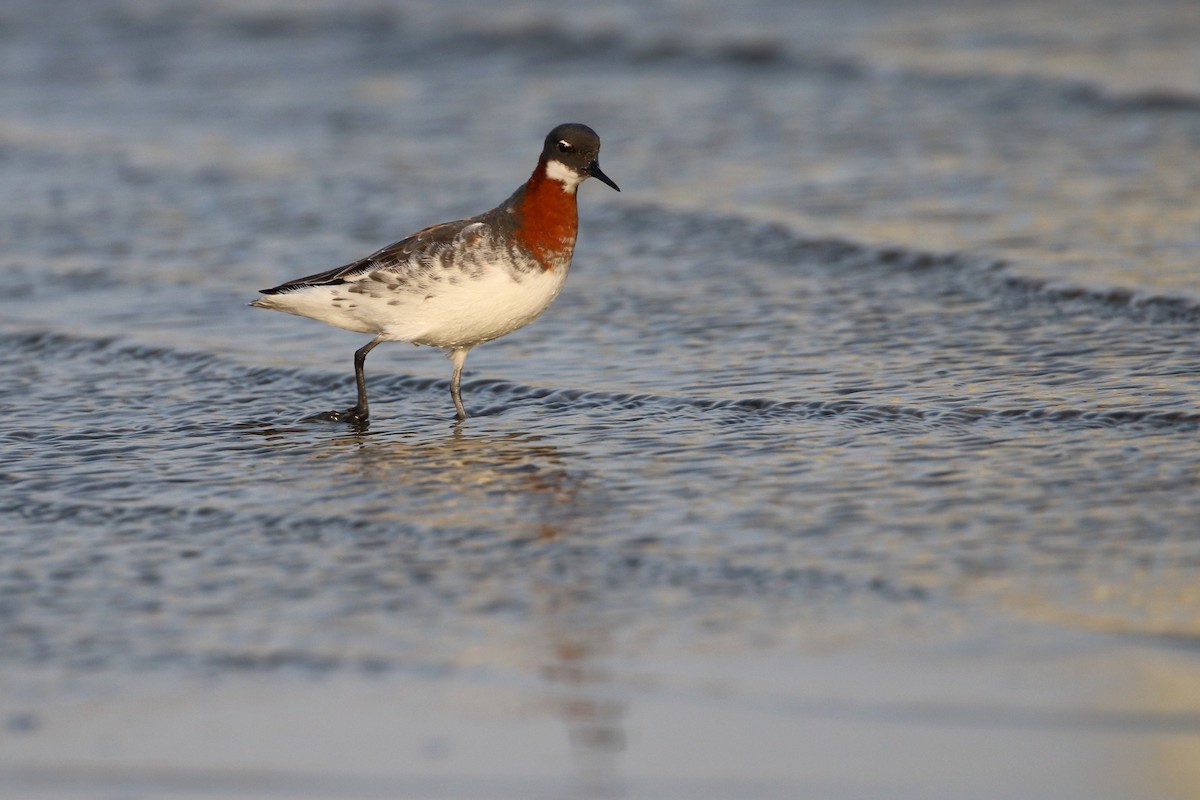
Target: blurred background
(858,457)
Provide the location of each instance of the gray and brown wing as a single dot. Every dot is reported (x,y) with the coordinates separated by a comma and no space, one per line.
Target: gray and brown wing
(399,257)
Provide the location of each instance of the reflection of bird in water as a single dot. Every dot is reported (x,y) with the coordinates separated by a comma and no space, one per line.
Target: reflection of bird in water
(512,483)
(580,688)
(474,480)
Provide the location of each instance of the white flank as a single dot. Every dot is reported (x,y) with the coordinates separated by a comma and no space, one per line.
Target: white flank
(463,314)
(480,310)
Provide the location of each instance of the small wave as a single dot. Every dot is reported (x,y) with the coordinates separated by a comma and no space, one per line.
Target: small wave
(112,350)
(542,41)
(1135,304)
(1038,90)
(1146,100)
(548,41)
(507,395)
(545,41)
(250,21)
(776,243)
(64,345)
(854,412)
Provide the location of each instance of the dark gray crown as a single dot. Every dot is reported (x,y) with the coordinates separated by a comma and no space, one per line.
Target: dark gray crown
(578,147)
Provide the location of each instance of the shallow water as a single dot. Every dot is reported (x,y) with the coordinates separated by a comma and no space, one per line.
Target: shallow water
(857,457)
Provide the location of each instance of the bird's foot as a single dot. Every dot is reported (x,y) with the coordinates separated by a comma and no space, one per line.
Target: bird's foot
(354,416)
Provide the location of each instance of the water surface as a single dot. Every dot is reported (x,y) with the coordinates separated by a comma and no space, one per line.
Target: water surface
(856,459)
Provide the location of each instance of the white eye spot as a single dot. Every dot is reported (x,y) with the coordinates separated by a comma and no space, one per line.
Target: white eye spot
(565,147)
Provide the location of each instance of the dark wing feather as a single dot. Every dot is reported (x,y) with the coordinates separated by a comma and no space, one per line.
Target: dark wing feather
(390,257)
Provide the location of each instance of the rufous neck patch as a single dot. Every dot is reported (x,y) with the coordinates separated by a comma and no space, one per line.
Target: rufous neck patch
(547,220)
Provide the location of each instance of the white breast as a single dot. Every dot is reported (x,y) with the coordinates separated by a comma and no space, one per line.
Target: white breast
(480,309)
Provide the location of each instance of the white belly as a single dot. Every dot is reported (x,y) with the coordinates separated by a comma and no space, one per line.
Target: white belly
(467,312)
(478,310)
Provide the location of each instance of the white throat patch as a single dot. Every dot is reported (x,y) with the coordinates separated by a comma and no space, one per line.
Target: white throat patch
(569,178)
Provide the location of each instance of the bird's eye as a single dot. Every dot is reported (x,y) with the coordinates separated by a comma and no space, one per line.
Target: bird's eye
(565,147)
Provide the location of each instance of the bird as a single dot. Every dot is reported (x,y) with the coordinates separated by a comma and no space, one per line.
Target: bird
(462,283)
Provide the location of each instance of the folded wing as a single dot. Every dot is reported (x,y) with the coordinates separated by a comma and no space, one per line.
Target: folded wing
(402,257)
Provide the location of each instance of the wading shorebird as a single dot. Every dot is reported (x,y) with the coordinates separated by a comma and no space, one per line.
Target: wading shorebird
(462,283)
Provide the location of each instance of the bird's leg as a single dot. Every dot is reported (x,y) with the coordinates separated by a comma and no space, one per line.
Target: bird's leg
(459,356)
(361,411)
